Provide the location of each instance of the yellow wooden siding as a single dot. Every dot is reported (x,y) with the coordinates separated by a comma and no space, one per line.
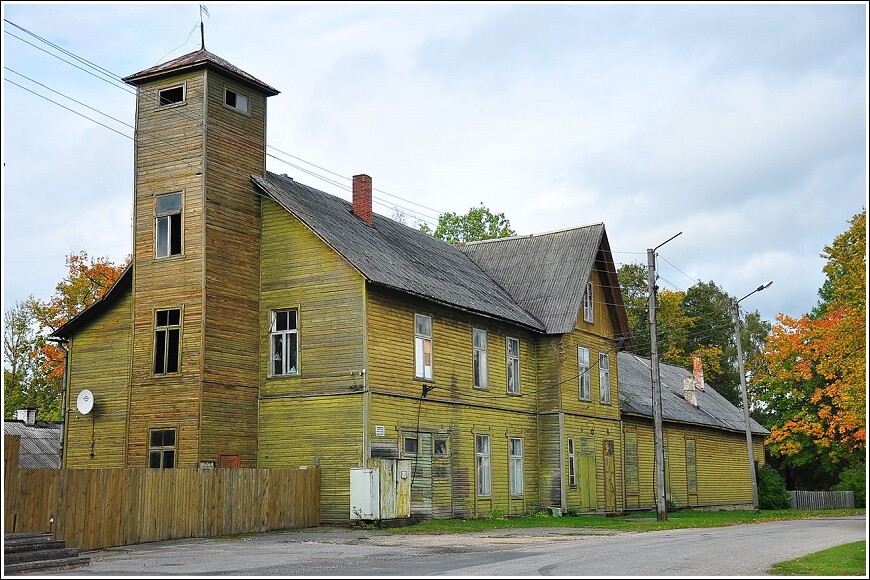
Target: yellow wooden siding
(453,478)
(324,431)
(596,431)
(100,361)
(168,159)
(390,322)
(235,148)
(298,270)
(722,469)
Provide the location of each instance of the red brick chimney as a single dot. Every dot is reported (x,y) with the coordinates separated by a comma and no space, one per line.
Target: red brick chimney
(362,197)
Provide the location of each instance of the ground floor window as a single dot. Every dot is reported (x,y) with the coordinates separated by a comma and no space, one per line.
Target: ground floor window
(161,448)
(516,465)
(484,465)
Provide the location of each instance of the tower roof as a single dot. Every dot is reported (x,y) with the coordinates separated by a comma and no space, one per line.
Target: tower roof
(197,60)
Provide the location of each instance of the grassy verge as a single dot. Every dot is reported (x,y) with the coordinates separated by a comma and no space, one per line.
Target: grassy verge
(638,522)
(845,560)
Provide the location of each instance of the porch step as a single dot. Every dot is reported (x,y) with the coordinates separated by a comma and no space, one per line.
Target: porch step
(30,551)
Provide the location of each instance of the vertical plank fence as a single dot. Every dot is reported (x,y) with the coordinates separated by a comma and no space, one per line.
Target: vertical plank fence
(822,500)
(100,508)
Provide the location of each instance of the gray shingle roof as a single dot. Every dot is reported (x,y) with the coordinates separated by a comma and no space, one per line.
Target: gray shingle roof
(396,256)
(40,443)
(547,273)
(714,410)
(194,60)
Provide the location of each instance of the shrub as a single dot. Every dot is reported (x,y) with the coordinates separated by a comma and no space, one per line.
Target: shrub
(854,479)
(772,494)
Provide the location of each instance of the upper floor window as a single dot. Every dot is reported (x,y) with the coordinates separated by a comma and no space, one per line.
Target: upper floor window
(479,362)
(168,227)
(161,448)
(583,373)
(167,334)
(587,303)
(236,101)
(604,377)
(513,366)
(284,339)
(422,346)
(170,96)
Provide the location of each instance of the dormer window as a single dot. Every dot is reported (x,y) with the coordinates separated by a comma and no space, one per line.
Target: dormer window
(236,101)
(171,96)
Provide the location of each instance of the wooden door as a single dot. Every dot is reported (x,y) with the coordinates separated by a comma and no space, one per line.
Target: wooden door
(609,475)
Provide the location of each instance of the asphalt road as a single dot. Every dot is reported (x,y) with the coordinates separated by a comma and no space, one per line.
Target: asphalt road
(743,550)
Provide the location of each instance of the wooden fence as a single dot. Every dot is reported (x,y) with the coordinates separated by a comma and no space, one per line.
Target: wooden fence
(99,508)
(822,500)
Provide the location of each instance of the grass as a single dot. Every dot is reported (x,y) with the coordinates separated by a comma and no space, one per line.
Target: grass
(638,522)
(845,560)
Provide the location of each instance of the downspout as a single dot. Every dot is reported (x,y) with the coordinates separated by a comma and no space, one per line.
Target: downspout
(63,419)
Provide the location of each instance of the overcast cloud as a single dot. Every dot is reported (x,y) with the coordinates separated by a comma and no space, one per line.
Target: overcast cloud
(743,126)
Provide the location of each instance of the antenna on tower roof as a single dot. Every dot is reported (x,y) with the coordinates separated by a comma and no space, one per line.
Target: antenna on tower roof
(202,10)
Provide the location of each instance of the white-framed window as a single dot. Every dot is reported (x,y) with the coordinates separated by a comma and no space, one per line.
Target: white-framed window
(168,225)
(479,361)
(440,447)
(167,337)
(604,377)
(585,392)
(572,468)
(236,101)
(171,96)
(284,343)
(484,464)
(422,346)
(513,366)
(516,465)
(588,303)
(161,448)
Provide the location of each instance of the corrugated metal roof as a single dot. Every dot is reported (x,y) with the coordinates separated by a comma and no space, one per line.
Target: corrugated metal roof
(396,256)
(546,273)
(194,60)
(713,410)
(40,443)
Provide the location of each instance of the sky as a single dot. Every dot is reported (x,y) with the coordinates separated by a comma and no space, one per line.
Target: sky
(739,128)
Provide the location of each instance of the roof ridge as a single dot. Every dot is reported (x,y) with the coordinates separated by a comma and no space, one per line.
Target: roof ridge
(535,235)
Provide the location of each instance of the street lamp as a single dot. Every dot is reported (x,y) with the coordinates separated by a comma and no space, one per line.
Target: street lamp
(735,314)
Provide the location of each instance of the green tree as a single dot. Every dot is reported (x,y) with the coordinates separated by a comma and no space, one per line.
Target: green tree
(813,376)
(33,366)
(24,381)
(478,224)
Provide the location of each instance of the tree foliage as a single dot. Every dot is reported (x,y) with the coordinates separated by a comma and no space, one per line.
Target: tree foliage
(813,376)
(33,366)
(478,224)
(694,323)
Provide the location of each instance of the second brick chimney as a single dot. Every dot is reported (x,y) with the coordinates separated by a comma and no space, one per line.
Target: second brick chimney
(362,197)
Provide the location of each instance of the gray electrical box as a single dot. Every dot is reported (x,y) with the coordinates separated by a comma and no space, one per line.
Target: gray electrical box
(382,491)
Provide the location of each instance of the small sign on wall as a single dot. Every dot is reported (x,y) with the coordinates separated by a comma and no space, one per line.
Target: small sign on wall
(380,431)
(206,464)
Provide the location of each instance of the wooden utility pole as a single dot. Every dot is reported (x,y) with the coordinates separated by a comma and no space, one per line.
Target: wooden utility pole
(661,506)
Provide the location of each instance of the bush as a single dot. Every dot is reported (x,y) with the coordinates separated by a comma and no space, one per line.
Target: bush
(854,479)
(772,494)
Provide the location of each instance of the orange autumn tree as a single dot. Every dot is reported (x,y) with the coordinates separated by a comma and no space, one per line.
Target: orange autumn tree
(812,377)
(87,281)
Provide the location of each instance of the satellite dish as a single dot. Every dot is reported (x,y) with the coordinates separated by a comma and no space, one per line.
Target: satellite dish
(85,402)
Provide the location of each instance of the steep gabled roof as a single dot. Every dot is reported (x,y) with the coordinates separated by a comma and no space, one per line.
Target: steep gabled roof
(396,256)
(547,273)
(713,410)
(122,285)
(196,60)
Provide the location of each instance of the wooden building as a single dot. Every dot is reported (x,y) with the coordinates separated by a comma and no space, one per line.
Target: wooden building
(264,323)
(706,463)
